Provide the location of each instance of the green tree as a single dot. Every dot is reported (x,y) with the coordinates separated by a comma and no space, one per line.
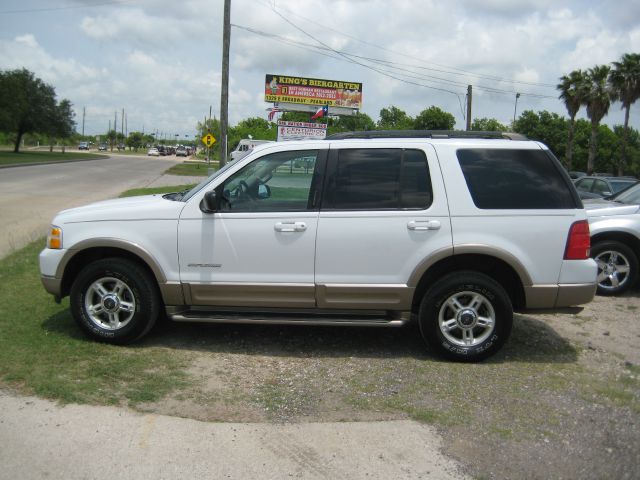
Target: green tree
(28,105)
(111,136)
(598,100)
(350,123)
(393,118)
(572,93)
(546,127)
(487,125)
(135,140)
(255,127)
(624,80)
(433,118)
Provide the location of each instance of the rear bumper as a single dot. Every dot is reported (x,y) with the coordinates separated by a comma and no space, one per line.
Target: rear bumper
(559,296)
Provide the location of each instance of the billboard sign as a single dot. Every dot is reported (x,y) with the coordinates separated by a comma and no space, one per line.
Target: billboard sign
(312,91)
(301,131)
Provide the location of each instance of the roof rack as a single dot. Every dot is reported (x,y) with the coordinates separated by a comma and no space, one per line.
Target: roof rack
(426,134)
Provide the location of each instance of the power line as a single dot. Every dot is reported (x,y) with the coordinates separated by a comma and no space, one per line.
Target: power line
(450,70)
(406,73)
(69,7)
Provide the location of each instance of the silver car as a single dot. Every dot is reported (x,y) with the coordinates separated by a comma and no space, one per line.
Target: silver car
(615,239)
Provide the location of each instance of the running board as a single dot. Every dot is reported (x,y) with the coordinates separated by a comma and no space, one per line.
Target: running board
(276,319)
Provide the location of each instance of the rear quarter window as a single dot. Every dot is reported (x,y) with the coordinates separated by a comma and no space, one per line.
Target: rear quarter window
(515,179)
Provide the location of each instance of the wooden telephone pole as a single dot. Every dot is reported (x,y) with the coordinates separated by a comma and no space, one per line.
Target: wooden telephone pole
(224,93)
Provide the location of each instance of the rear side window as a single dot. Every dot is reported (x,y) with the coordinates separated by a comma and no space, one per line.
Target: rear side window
(514,179)
(377,179)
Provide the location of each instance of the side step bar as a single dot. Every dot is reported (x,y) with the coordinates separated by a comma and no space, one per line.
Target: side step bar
(283,319)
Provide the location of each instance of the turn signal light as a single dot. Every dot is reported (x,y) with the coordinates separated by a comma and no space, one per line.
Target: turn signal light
(578,241)
(54,239)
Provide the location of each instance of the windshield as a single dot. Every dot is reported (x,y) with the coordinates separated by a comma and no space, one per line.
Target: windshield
(617,185)
(187,195)
(629,196)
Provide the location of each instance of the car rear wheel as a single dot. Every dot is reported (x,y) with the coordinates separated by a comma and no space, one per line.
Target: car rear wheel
(115,300)
(466,316)
(617,266)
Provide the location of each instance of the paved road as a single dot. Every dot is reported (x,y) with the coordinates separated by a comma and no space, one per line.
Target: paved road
(31,196)
(41,440)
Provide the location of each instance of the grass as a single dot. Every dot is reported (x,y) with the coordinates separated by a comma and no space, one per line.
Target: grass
(193,169)
(42,351)
(10,158)
(150,191)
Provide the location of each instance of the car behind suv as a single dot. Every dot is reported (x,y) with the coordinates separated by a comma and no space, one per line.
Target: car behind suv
(451,230)
(615,230)
(601,186)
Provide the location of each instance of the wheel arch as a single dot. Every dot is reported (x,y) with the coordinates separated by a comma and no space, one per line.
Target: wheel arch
(496,268)
(628,239)
(96,249)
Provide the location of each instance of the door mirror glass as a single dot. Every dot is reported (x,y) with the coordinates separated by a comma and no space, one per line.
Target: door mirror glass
(209,203)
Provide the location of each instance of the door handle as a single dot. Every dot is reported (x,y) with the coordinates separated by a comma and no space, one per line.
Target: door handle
(421,225)
(290,227)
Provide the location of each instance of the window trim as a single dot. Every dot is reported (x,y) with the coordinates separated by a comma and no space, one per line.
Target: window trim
(331,169)
(317,179)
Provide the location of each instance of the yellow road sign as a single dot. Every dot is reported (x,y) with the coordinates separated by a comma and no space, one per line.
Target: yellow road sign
(208,139)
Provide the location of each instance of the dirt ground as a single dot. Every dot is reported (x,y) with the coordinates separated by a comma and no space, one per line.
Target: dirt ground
(561,400)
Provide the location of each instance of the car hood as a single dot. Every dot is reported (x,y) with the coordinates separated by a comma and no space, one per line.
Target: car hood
(601,208)
(147,207)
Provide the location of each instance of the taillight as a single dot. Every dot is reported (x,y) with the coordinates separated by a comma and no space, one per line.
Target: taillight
(578,241)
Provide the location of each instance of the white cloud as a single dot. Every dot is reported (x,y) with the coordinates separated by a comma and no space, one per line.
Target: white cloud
(161,60)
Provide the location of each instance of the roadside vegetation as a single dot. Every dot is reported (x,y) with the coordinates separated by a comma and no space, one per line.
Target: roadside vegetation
(192,169)
(22,158)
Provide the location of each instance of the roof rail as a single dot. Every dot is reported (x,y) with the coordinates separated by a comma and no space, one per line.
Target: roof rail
(426,134)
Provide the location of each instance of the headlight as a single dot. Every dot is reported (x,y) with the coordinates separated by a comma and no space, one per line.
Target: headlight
(54,238)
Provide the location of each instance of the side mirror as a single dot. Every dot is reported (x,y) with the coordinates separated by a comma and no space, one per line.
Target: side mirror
(263,191)
(209,203)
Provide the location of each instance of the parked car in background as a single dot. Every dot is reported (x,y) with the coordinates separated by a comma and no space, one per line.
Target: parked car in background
(615,239)
(181,152)
(83,146)
(102,147)
(598,187)
(575,175)
(153,152)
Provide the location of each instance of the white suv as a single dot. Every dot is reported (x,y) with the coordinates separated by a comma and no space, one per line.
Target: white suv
(453,230)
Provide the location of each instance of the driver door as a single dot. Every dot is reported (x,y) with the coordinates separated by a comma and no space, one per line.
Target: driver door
(258,249)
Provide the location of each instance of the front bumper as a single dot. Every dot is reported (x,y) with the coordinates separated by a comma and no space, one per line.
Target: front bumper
(49,275)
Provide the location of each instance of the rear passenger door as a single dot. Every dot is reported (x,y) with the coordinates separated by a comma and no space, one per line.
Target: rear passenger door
(383,212)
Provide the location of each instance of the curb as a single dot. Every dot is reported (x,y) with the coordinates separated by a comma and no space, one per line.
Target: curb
(12,165)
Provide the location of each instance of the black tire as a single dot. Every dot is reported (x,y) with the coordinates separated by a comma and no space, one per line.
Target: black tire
(479,299)
(115,301)
(617,267)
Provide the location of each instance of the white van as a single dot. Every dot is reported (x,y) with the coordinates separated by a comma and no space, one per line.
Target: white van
(245,146)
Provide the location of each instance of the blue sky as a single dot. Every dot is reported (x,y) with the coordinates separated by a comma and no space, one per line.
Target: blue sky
(160,59)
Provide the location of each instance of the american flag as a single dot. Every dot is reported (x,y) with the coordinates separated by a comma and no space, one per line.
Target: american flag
(272,113)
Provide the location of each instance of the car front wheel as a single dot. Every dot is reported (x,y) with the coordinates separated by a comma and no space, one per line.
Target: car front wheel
(617,266)
(115,300)
(466,316)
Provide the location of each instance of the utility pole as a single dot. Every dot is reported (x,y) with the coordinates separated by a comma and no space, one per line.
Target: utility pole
(469,97)
(224,94)
(122,128)
(515,108)
(83,114)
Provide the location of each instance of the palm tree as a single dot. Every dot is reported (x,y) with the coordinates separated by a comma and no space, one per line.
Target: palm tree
(572,92)
(597,98)
(625,85)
